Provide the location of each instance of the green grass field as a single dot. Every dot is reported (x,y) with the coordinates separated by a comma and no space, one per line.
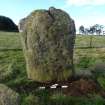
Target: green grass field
(84,41)
(84,57)
(12,41)
(13,71)
(9,41)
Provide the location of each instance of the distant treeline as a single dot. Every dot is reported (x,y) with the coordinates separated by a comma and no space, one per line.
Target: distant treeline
(96,29)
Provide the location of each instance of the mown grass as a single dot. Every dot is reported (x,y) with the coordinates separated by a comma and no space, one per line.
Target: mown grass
(85,40)
(13,70)
(9,40)
(86,58)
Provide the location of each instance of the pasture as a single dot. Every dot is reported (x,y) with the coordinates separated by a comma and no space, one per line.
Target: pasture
(13,71)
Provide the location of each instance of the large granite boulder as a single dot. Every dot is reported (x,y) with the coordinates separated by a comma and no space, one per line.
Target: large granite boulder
(8,96)
(48,39)
(6,24)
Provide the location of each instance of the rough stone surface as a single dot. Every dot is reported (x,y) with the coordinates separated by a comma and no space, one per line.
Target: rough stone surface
(48,40)
(6,24)
(8,96)
(21,25)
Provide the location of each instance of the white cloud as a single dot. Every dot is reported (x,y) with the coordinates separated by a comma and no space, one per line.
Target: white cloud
(85,2)
(88,21)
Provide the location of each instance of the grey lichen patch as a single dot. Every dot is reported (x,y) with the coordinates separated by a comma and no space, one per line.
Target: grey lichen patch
(8,96)
(48,40)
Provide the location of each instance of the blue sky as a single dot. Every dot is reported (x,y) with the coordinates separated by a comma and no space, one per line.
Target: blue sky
(84,12)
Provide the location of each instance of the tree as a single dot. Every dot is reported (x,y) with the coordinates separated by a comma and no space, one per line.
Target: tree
(81,29)
(92,30)
(86,31)
(6,24)
(98,28)
(95,29)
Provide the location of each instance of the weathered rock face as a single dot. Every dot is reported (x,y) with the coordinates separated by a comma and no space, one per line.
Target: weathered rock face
(21,25)
(8,96)
(6,24)
(48,41)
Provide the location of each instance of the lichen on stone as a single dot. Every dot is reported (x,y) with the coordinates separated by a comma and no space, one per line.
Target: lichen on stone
(48,40)
(8,96)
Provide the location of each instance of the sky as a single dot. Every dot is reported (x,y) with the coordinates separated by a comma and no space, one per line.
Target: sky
(84,12)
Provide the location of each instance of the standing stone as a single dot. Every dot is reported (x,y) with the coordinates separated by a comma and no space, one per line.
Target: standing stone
(21,25)
(8,96)
(48,40)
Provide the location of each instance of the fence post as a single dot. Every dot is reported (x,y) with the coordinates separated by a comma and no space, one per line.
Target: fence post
(91,39)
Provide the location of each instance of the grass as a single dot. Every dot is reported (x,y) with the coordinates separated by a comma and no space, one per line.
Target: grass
(44,98)
(84,41)
(13,71)
(83,57)
(12,66)
(86,58)
(9,41)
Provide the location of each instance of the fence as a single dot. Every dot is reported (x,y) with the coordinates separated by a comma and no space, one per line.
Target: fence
(90,41)
(82,42)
